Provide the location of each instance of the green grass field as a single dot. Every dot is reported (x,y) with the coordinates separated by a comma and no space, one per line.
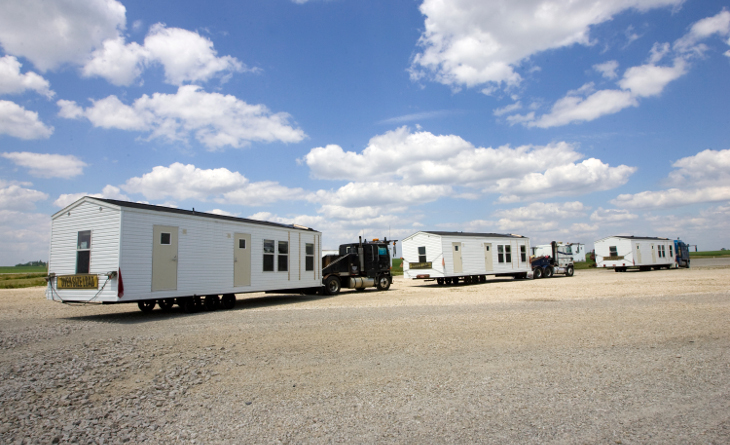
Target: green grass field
(589,263)
(23,269)
(397,268)
(21,280)
(710,254)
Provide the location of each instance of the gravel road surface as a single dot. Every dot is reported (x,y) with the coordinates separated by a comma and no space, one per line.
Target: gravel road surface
(601,357)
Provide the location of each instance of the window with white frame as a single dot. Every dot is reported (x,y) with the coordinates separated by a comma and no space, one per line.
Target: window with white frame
(507,253)
(500,253)
(309,257)
(523,254)
(422,254)
(83,251)
(283,258)
(269,246)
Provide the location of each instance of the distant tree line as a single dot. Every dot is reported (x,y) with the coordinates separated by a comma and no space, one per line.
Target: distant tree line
(33,263)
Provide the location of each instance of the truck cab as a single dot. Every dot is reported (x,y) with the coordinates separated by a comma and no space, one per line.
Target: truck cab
(358,266)
(681,252)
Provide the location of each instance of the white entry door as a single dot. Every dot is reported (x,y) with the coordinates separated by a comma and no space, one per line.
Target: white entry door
(164,258)
(241,259)
(456,248)
(488,258)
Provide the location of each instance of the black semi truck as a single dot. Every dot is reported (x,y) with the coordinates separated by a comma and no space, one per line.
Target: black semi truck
(358,266)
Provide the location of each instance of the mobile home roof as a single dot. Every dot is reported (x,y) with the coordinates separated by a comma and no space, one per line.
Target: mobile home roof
(137,205)
(481,235)
(635,237)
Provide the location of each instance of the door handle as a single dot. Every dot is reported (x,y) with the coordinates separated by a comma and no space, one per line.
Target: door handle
(175,258)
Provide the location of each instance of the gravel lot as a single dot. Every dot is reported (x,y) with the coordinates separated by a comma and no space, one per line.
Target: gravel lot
(602,357)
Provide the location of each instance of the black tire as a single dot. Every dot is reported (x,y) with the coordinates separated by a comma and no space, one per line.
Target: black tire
(440,281)
(146,306)
(482,278)
(548,272)
(228,301)
(166,304)
(212,302)
(332,285)
(187,304)
(569,272)
(383,282)
(536,273)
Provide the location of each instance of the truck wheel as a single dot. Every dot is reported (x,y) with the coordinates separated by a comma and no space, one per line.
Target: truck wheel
(440,281)
(548,272)
(536,273)
(332,285)
(187,304)
(383,282)
(212,302)
(166,304)
(569,272)
(228,301)
(146,306)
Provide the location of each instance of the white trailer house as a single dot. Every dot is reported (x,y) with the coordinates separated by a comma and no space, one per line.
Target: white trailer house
(109,251)
(578,250)
(448,257)
(629,252)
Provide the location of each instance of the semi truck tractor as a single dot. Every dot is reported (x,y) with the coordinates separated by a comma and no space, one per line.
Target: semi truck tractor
(560,262)
(358,266)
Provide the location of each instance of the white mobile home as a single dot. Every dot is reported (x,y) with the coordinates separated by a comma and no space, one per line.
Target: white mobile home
(577,250)
(109,251)
(449,257)
(624,252)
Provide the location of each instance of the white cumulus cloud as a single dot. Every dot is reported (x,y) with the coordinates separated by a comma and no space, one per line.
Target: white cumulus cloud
(472,42)
(179,181)
(109,192)
(701,178)
(186,56)
(18,122)
(15,197)
(46,165)
(214,119)
(603,216)
(647,80)
(425,158)
(50,33)
(13,82)
(571,179)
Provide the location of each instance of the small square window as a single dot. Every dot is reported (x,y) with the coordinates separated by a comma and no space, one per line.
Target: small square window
(283,247)
(487,248)
(456,248)
(165,238)
(269,246)
(309,263)
(309,249)
(241,243)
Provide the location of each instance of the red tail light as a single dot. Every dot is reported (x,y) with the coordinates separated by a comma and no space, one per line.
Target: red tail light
(120,284)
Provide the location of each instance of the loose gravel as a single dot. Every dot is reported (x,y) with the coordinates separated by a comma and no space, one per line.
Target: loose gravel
(602,357)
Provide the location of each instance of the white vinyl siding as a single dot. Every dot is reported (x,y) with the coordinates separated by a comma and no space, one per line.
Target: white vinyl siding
(104,256)
(122,238)
(439,247)
(627,247)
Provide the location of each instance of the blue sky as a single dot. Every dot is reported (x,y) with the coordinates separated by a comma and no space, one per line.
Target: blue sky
(556,120)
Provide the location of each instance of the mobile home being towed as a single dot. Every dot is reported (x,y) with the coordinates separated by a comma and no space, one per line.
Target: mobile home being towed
(628,252)
(449,257)
(109,251)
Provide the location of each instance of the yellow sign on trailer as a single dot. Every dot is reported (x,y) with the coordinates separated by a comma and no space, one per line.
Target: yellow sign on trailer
(81,281)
